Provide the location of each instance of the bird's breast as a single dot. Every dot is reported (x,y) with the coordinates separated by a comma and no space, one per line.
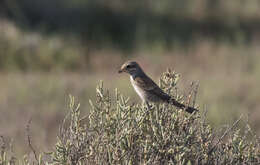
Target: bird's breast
(138,90)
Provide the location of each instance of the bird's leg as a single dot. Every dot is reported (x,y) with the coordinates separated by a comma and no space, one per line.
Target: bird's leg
(148,106)
(145,103)
(150,117)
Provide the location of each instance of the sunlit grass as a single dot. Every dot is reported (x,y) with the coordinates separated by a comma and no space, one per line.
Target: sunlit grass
(35,83)
(118,132)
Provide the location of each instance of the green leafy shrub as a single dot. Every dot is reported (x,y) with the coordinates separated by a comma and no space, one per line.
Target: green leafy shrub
(116,132)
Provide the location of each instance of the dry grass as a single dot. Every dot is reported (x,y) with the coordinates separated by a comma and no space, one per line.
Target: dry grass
(226,91)
(118,132)
(228,76)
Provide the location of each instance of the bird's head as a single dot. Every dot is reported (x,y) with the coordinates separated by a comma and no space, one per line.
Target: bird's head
(130,67)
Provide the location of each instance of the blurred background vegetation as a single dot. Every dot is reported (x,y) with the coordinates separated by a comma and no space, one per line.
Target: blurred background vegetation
(52,48)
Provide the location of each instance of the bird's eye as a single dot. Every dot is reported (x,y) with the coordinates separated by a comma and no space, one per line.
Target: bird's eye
(128,66)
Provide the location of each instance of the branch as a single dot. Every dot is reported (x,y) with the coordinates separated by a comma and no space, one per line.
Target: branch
(29,139)
(225,133)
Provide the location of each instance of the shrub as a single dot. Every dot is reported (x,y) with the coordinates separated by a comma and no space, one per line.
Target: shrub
(116,132)
(119,133)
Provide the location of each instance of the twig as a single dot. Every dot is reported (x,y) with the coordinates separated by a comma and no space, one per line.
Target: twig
(195,93)
(30,140)
(189,94)
(225,133)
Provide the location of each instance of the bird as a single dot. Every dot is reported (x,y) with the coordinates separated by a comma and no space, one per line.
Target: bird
(147,89)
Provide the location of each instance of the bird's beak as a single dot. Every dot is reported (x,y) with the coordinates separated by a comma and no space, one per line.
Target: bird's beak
(120,71)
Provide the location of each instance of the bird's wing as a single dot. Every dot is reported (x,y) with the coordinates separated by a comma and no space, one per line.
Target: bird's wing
(149,85)
(145,83)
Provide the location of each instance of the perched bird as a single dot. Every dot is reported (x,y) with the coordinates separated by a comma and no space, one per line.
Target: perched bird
(147,89)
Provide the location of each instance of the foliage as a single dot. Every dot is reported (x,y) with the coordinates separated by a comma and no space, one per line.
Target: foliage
(127,24)
(28,51)
(118,133)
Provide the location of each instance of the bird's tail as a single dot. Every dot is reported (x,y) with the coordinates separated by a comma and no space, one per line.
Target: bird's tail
(182,106)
